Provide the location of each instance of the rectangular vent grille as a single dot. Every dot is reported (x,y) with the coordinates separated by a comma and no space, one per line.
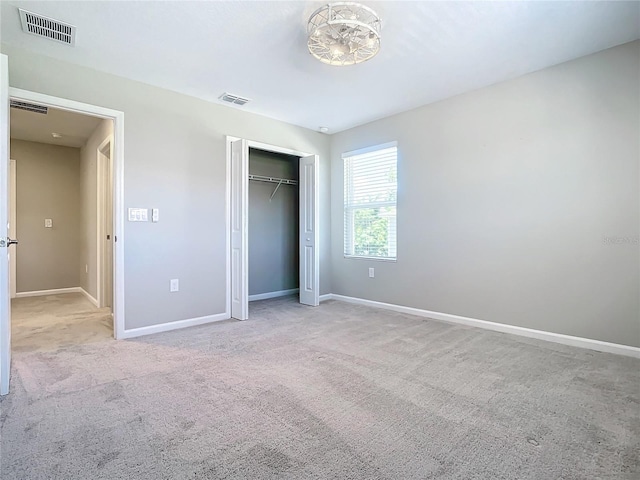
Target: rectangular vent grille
(47,27)
(235,99)
(30,107)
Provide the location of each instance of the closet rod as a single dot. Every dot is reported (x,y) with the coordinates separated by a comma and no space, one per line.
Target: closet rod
(281,181)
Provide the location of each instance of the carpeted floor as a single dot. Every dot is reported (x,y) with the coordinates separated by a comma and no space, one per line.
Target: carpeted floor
(338,391)
(57,321)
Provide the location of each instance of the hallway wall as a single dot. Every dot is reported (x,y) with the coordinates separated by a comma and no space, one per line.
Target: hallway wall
(88,264)
(47,187)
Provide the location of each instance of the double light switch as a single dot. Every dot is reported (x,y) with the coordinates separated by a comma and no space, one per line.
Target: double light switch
(142,215)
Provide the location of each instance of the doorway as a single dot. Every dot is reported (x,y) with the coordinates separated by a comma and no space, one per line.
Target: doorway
(238,225)
(274,266)
(62,167)
(117,160)
(105,223)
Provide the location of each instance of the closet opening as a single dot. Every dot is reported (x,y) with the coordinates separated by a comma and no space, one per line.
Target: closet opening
(273,218)
(272,224)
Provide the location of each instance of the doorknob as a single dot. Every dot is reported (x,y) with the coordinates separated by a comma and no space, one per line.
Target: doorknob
(6,242)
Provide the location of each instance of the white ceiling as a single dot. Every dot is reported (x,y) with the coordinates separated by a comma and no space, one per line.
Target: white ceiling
(430,50)
(75,128)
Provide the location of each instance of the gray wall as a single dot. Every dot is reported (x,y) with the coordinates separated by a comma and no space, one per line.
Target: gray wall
(273,225)
(47,186)
(175,160)
(505,197)
(88,206)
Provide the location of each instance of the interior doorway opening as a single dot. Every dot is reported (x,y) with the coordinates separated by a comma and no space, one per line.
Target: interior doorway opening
(240,234)
(105,224)
(43,102)
(273,244)
(61,206)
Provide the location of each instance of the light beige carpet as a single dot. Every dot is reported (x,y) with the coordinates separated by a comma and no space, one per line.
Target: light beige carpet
(338,391)
(56,321)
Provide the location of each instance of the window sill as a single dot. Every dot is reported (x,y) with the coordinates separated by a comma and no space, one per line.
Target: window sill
(377,259)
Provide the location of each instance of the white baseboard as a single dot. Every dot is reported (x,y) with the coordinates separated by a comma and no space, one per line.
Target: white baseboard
(581,342)
(89,297)
(326,296)
(42,293)
(165,327)
(57,291)
(280,293)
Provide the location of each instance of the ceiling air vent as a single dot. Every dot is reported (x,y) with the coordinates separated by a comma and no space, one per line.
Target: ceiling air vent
(47,27)
(235,99)
(30,107)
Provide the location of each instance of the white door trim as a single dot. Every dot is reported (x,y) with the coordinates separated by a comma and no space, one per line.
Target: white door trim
(269,148)
(117,158)
(13,221)
(99,218)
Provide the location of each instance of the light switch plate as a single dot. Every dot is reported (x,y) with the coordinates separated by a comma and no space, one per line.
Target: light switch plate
(155,215)
(138,215)
(48,223)
(174,285)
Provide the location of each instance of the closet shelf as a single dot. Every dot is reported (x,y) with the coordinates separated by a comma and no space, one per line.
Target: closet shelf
(281,181)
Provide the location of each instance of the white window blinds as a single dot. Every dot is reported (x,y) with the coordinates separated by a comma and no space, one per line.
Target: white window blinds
(370,192)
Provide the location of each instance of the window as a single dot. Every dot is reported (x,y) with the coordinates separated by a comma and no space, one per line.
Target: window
(370,192)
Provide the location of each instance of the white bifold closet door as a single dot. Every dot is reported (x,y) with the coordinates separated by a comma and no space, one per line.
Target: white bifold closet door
(309,232)
(239,227)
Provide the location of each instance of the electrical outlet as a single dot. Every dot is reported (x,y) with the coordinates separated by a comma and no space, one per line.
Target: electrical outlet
(372,273)
(175,285)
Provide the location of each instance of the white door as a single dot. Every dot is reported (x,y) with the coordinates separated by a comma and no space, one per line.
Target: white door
(106,218)
(309,232)
(5,294)
(239,229)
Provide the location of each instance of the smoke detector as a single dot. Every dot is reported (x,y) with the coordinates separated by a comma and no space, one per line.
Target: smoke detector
(46,27)
(235,99)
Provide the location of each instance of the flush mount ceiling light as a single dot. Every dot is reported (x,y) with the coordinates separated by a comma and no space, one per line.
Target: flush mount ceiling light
(344,33)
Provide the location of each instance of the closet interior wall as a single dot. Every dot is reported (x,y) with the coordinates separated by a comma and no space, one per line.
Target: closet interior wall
(273,224)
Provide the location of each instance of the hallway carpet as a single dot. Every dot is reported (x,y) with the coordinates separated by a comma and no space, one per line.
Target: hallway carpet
(335,392)
(55,321)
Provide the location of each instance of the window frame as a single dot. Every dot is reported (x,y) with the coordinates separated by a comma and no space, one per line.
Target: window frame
(345,156)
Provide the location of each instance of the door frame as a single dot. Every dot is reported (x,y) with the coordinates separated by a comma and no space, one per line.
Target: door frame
(275,149)
(117,161)
(100,213)
(13,221)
